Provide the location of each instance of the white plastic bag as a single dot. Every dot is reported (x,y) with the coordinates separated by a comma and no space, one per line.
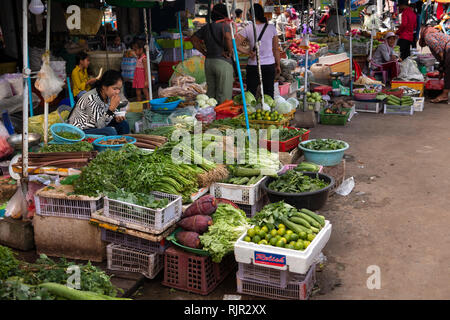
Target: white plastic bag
(48,83)
(5,89)
(184,116)
(17,205)
(409,71)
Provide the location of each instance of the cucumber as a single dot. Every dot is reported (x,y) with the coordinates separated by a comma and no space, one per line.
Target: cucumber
(295,227)
(310,220)
(318,218)
(300,221)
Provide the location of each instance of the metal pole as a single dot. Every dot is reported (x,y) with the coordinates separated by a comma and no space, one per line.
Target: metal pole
(351,50)
(181,35)
(147,52)
(26,74)
(258,61)
(283,30)
(306,40)
(106,37)
(47,52)
(238,66)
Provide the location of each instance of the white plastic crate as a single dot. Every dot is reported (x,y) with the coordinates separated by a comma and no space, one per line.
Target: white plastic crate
(133,242)
(142,218)
(402,110)
(134,260)
(365,106)
(298,287)
(295,261)
(251,210)
(237,193)
(419,103)
(174,54)
(67,208)
(269,276)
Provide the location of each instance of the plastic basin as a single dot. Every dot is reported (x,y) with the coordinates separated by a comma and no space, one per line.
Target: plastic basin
(325,158)
(310,200)
(103,147)
(159,104)
(64,127)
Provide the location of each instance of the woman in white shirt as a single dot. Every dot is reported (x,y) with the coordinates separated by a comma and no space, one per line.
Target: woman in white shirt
(269,53)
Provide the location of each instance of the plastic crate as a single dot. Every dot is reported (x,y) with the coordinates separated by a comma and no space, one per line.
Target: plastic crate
(298,287)
(66,208)
(282,258)
(419,103)
(366,106)
(120,258)
(142,218)
(193,273)
(132,242)
(284,88)
(402,110)
(248,195)
(288,145)
(174,54)
(334,119)
(250,211)
(417,85)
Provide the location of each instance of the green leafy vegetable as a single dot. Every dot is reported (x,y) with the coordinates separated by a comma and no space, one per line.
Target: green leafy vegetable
(69,135)
(140,199)
(82,146)
(294,181)
(324,144)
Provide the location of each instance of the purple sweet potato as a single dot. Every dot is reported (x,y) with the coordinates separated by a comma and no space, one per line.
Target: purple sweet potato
(188,239)
(203,206)
(196,223)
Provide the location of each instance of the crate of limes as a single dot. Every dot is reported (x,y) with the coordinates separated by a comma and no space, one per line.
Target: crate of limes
(266,118)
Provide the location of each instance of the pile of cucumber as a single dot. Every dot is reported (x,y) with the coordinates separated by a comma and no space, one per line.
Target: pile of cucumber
(244,181)
(396,101)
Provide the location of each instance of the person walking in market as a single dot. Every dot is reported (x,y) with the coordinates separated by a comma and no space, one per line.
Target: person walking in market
(214,41)
(439,44)
(269,53)
(406,30)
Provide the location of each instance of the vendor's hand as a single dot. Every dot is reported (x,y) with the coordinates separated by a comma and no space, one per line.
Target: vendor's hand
(115,101)
(119,118)
(91,81)
(277,70)
(227,55)
(252,55)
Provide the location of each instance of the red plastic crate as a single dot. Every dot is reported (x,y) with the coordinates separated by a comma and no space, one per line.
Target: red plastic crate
(193,273)
(165,70)
(288,145)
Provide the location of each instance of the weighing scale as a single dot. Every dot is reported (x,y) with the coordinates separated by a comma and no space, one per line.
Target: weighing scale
(337,81)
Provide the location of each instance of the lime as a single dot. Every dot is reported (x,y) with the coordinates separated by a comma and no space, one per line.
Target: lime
(310,237)
(292,243)
(298,245)
(262,234)
(281,226)
(281,232)
(265,229)
(294,237)
(289,232)
(251,233)
(284,240)
(280,244)
(268,237)
(248,239)
(263,241)
(287,236)
(273,241)
(256,239)
(257,229)
(278,237)
(302,235)
(273,233)
(306,243)
(290,246)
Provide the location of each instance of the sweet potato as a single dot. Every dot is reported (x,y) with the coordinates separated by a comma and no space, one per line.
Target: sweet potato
(203,206)
(188,239)
(198,223)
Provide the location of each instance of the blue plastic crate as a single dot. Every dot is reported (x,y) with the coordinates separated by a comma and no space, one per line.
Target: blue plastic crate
(102,147)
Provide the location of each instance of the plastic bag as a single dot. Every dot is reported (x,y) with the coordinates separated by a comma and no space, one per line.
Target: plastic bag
(17,206)
(5,89)
(409,71)
(184,116)
(16,82)
(206,115)
(48,83)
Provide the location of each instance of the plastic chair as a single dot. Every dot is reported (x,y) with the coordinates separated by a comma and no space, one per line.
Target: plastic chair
(377,70)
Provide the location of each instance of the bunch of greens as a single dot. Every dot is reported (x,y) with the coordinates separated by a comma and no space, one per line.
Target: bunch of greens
(324,144)
(161,131)
(15,289)
(172,99)
(272,213)
(140,199)
(286,134)
(69,135)
(82,146)
(294,181)
(229,224)
(8,264)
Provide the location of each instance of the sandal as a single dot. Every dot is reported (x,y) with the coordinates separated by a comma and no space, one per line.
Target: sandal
(439,101)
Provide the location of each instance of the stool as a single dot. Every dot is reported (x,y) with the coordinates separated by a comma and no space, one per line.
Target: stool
(323,89)
(384,74)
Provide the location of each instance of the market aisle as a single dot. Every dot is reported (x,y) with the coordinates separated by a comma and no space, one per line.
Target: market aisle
(397,216)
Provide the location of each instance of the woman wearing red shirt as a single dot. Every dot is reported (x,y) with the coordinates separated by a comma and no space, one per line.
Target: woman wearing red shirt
(406,30)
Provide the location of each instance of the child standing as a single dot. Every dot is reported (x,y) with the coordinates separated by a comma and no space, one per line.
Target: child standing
(140,80)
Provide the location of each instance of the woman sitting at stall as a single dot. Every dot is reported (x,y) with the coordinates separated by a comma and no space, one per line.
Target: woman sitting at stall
(269,52)
(94,112)
(439,44)
(385,58)
(81,83)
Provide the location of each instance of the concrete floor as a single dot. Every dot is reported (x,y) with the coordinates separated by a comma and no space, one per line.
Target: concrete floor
(396,218)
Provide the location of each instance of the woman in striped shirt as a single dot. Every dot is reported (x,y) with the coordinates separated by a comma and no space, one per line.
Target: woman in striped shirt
(94,112)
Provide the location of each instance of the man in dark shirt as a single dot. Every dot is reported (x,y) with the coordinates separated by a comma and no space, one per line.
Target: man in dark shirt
(214,42)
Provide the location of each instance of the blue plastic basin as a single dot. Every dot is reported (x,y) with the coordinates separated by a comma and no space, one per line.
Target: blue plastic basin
(159,104)
(325,158)
(64,127)
(102,147)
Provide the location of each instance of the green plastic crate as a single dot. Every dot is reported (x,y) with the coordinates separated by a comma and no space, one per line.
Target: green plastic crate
(174,43)
(334,119)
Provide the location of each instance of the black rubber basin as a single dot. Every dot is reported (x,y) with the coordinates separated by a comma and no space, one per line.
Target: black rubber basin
(309,200)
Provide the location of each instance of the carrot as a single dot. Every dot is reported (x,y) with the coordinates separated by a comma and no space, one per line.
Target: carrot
(188,239)
(226,103)
(197,223)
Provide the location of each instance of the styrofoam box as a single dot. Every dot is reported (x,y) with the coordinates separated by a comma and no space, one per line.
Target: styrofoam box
(281,258)
(237,193)
(419,103)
